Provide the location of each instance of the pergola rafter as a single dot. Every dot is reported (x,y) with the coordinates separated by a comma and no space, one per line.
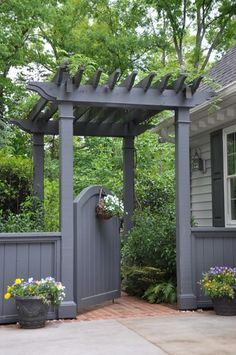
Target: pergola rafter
(117,108)
(109,106)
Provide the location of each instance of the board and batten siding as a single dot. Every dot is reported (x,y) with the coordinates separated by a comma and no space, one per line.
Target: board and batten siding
(201,191)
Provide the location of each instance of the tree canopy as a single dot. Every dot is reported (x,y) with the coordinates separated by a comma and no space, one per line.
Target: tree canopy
(36,36)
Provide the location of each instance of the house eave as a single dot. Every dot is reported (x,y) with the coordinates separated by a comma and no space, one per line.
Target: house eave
(204,117)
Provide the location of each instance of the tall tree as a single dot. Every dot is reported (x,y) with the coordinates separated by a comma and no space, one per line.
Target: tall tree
(194,28)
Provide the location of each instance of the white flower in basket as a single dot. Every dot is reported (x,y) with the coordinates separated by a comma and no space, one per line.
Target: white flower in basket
(109,206)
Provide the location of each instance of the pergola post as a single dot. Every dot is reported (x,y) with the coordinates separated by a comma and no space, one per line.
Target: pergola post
(38,165)
(128,173)
(66,117)
(185,296)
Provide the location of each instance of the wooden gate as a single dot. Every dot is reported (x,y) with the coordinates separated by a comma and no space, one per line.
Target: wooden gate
(97,252)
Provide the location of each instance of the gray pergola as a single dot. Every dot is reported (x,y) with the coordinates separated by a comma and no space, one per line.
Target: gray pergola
(114,109)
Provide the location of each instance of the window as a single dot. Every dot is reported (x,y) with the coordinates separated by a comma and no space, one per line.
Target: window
(229,139)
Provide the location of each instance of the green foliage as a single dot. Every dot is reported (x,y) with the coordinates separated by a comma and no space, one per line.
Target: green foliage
(51,205)
(15,183)
(29,218)
(99,163)
(164,292)
(152,241)
(136,280)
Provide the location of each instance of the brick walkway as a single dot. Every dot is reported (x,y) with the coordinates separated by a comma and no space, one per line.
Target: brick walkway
(126,307)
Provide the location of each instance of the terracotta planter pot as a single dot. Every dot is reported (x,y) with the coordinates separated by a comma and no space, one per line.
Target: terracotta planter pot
(32,312)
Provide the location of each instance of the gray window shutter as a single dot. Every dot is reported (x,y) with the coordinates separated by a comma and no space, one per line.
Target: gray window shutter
(217,174)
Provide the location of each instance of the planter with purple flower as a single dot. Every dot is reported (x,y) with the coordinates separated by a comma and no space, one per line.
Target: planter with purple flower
(219,283)
(33,298)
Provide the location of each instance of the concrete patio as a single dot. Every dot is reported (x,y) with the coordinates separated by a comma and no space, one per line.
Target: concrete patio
(186,333)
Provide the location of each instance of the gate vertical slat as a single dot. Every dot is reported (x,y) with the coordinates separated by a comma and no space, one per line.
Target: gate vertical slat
(97,252)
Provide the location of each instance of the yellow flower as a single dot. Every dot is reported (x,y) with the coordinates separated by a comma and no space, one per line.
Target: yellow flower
(17,281)
(9,288)
(7,296)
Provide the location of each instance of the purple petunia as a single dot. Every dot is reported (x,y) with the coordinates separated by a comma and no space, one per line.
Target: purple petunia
(216,270)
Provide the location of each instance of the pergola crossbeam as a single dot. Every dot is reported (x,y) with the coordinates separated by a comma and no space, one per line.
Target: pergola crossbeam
(83,128)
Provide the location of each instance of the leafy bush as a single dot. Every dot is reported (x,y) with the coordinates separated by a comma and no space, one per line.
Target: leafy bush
(152,241)
(164,292)
(15,183)
(136,280)
(29,219)
(51,205)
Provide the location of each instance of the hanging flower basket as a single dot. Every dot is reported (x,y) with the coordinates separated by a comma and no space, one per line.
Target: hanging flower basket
(101,211)
(108,206)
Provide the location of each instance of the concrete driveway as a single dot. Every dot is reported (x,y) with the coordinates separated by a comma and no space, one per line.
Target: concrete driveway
(189,333)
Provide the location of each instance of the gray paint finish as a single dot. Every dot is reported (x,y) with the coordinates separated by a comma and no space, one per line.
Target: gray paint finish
(201,196)
(26,255)
(68,307)
(128,174)
(211,247)
(97,252)
(185,295)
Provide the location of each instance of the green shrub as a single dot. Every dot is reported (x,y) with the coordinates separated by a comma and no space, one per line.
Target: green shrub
(15,182)
(51,206)
(136,280)
(152,241)
(164,292)
(29,219)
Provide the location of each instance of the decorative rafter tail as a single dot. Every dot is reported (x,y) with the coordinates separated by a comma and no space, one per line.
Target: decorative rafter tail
(94,81)
(78,76)
(113,78)
(179,84)
(146,82)
(129,80)
(161,84)
(195,84)
(60,73)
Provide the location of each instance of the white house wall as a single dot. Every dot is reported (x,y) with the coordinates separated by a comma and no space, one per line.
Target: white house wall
(201,198)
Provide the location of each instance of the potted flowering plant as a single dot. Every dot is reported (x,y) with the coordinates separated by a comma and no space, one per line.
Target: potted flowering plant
(33,298)
(219,283)
(109,206)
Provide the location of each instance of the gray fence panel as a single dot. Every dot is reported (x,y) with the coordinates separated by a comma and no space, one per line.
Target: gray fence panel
(26,255)
(211,247)
(97,252)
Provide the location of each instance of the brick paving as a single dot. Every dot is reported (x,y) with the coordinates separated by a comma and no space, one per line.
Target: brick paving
(127,307)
